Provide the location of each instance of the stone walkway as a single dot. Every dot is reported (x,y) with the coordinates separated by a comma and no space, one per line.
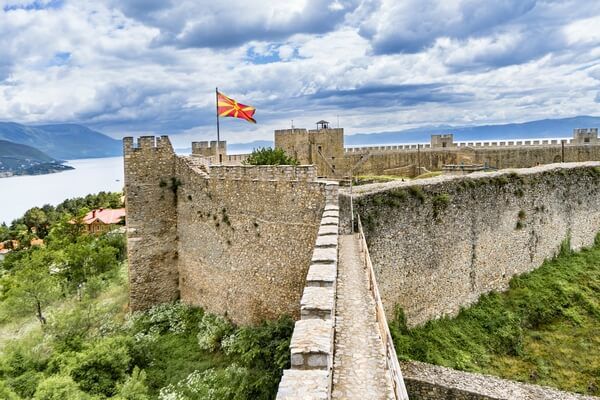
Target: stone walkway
(358,366)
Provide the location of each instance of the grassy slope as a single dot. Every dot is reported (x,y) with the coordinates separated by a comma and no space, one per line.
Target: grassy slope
(544,330)
(167,359)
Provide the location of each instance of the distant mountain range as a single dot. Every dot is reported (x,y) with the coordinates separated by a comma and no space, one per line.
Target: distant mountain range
(20,159)
(63,141)
(71,141)
(546,128)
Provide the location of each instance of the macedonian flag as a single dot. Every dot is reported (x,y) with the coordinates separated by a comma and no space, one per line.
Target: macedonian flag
(228,107)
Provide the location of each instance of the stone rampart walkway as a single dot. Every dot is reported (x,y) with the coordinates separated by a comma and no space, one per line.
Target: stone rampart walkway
(358,367)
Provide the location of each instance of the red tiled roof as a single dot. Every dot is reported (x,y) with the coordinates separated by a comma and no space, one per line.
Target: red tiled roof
(105,216)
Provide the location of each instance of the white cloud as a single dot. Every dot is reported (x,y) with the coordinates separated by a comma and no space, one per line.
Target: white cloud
(114,69)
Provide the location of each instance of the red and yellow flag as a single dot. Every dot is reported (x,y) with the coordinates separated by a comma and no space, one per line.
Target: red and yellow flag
(228,107)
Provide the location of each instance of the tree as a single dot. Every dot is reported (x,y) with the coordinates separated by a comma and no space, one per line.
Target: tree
(36,220)
(269,156)
(32,287)
(4,232)
(59,387)
(134,387)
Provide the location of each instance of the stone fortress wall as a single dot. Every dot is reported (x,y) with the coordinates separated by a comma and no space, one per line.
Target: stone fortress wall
(236,240)
(254,243)
(438,244)
(431,382)
(151,221)
(324,147)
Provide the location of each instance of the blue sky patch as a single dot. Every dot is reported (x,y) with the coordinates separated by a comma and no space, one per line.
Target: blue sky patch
(35,5)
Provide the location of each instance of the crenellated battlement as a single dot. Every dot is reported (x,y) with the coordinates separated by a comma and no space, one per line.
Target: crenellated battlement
(205,147)
(147,143)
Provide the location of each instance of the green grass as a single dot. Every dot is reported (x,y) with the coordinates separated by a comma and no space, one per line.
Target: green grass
(545,329)
(366,179)
(426,175)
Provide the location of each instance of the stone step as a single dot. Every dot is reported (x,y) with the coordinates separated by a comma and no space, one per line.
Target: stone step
(321,275)
(317,303)
(304,385)
(312,344)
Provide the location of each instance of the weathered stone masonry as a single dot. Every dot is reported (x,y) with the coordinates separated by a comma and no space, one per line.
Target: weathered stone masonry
(235,240)
(437,245)
(151,221)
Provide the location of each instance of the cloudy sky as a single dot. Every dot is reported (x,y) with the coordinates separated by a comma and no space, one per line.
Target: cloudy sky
(150,66)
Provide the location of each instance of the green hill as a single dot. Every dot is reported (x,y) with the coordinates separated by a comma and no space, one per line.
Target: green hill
(63,142)
(22,152)
(20,159)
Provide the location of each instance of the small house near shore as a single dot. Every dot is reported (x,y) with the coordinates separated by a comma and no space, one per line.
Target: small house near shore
(103,219)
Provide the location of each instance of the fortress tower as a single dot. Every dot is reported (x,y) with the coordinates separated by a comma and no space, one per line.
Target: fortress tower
(323,147)
(585,135)
(217,151)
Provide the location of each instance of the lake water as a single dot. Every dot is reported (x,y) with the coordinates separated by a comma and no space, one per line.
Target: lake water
(20,193)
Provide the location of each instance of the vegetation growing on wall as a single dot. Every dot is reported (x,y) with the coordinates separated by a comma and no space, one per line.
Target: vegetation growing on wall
(544,330)
(270,156)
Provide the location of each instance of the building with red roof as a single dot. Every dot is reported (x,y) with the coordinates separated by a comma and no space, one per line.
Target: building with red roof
(103,219)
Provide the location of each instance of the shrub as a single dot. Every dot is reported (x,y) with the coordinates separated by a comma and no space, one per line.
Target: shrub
(59,388)
(102,365)
(6,393)
(134,387)
(212,329)
(417,192)
(175,318)
(269,156)
(24,385)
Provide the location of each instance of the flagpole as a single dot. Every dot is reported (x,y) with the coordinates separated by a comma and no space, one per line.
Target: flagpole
(217,102)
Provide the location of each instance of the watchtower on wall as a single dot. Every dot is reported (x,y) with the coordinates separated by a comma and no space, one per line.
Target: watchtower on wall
(213,149)
(585,135)
(151,204)
(443,140)
(323,147)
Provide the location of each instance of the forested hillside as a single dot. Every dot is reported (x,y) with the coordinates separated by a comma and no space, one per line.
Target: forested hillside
(66,332)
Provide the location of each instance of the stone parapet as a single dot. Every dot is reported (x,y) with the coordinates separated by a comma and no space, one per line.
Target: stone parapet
(430,382)
(317,302)
(312,342)
(306,385)
(312,345)
(321,275)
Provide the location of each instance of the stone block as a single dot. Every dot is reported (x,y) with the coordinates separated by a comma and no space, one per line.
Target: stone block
(331,213)
(331,207)
(321,275)
(329,221)
(305,385)
(327,241)
(317,302)
(328,230)
(312,341)
(324,255)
